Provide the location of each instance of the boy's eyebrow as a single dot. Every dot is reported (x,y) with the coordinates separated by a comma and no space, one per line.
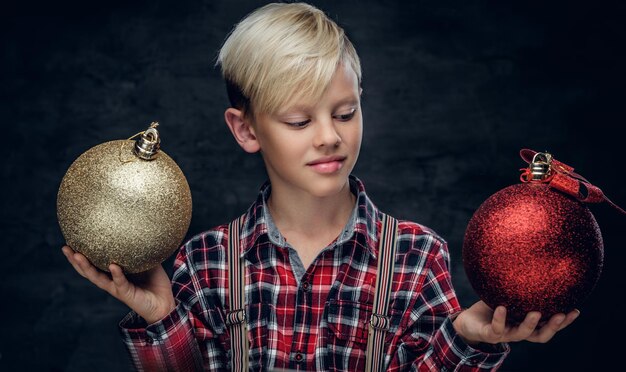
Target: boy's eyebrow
(296,108)
(352,100)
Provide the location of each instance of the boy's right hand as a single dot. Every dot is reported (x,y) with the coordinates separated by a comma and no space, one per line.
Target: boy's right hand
(149,295)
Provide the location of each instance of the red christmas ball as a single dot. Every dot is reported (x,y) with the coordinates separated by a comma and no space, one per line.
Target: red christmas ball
(532,248)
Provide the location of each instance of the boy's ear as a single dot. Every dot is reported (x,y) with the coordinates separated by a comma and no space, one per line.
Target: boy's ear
(241,130)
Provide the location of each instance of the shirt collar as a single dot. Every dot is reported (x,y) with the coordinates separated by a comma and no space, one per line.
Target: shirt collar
(364,220)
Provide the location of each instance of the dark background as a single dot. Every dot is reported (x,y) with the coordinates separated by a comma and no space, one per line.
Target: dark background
(453,90)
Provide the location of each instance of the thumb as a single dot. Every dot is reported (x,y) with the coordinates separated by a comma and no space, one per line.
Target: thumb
(123,288)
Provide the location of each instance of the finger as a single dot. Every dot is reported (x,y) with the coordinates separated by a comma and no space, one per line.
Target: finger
(526,327)
(545,333)
(121,283)
(97,277)
(71,257)
(498,322)
(569,319)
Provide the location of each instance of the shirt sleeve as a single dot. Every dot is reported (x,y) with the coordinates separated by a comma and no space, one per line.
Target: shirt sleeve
(184,340)
(167,345)
(430,342)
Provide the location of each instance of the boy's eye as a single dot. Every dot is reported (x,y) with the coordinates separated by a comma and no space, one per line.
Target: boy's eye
(340,117)
(346,117)
(299,124)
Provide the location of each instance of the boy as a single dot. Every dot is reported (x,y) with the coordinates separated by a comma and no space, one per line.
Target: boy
(310,241)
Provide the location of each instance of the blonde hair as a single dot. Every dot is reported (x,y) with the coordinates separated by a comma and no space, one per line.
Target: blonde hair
(283,52)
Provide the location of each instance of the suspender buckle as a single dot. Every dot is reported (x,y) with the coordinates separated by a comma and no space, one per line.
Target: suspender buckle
(235,317)
(380,322)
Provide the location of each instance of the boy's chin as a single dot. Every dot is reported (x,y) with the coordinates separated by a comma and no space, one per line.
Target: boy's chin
(329,188)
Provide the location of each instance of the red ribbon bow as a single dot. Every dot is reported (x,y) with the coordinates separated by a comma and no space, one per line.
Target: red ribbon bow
(563,178)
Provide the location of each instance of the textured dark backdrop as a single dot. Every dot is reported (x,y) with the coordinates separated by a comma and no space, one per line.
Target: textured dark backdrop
(453,90)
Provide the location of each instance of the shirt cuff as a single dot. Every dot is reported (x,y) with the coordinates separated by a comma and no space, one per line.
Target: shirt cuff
(135,330)
(452,350)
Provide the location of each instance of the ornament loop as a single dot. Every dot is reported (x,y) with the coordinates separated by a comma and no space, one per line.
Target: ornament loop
(131,158)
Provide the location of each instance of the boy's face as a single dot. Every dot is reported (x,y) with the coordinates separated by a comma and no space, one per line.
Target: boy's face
(312,147)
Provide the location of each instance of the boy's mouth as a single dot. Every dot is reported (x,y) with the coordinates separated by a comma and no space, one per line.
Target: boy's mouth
(327,164)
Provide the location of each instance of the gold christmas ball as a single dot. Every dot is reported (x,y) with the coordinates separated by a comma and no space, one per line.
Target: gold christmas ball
(125,202)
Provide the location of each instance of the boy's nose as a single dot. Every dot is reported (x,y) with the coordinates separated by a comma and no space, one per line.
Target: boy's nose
(326,134)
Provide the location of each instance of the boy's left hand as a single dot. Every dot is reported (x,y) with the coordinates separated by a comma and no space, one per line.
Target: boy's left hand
(481,324)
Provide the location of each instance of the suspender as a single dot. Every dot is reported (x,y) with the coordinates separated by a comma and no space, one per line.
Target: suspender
(379,322)
(236,317)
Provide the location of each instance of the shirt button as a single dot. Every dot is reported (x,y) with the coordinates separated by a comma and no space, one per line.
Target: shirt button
(299,357)
(149,340)
(305,286)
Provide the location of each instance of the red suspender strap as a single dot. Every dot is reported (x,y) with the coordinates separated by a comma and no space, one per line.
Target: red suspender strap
(379,323)
(236,317)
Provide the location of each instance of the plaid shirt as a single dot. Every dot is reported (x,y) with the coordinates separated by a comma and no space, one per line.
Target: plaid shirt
(313,319)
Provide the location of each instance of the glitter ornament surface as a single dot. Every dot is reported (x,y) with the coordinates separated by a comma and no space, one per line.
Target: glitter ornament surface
(529,247)
(114,207)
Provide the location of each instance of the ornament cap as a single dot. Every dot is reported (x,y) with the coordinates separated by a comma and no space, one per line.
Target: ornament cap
(147,146)
(541,167)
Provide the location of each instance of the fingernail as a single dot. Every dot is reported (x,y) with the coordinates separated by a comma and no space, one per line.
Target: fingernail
(536,317)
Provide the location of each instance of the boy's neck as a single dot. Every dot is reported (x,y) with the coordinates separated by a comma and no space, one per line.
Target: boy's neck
(309,215)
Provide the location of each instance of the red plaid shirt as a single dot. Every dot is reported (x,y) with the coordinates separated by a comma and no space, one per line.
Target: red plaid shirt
(313,319)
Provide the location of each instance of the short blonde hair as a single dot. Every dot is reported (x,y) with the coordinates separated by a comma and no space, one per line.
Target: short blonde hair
(283,52)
